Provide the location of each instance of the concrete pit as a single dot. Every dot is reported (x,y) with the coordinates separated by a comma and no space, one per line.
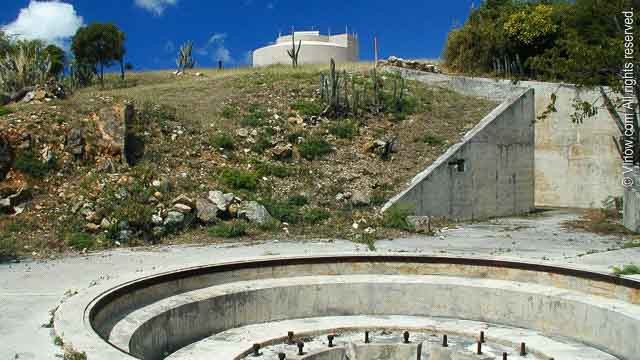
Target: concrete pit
(228,311)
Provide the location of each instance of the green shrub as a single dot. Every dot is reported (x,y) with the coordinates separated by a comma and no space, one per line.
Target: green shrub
(80,241)
(229,112)
(223,141)
(432,140)
(5,111)
(29,163)
(345,129)
(8,247)
(262,144)
(396,217)
(314,147)
(254,118)
(239,179)
(308,108)
(229,230)
(298,200)
(269,169)
(284,212)
(626,270)
(315,216)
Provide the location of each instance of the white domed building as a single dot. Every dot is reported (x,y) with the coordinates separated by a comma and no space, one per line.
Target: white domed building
(315,49)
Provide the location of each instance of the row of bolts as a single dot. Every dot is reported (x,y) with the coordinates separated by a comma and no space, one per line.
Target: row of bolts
(405,336)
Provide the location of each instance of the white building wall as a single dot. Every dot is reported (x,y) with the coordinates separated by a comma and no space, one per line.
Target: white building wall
(315,49)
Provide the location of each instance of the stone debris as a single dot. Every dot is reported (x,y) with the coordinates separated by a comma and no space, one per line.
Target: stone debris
(411,64)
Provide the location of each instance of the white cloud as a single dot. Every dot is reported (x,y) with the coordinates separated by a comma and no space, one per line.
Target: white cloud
(157,7)
(218,38)
(51,21)
(223,54)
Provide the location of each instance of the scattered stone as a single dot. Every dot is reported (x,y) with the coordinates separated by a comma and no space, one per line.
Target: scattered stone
(254,212)
(174,219)
(206,211)
(185,209)
(184,200)
(76,142)
(221,200)
(242,133)
(156,219)
(105,223)
(6,157)
(282,151)
(92,228)
(411,64)
(420,223)
(360,198)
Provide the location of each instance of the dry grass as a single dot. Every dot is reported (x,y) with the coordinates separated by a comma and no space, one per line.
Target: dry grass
(599,221)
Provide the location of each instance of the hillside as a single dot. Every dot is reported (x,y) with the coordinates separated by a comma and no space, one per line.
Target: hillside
(258,134)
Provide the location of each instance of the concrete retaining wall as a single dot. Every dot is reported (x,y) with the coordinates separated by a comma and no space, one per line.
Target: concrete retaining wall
(576,165)
(489,173)
(632,202)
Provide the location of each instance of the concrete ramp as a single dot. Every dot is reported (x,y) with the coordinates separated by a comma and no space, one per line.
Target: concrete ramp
(489,173)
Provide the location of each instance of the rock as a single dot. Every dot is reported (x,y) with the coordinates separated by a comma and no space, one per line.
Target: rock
(174,219)
(282,151)
(119,133)
(242,133)
(76,142)
(39,94)
(163,184)
(158,231)
(221,200)
(105,223)
(156,219)
(6,157)
(206,211)
(28,97)
(92,228)
(8,203)
(233,210)
(360,198)
(420,223)
(124,235)
(185,209)
(254,212)
(184,200)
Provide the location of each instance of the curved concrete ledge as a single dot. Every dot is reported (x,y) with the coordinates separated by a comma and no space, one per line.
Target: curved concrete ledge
(236,343)
(86,320)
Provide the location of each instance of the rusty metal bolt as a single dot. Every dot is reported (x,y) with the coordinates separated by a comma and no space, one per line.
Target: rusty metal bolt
(256,350)
(504,356)
(479,352)
(366,337)
(444,341)
(290,338)
(330,338)
(300,348)
(281,356)
(405,337)
(482,337)
(523,349)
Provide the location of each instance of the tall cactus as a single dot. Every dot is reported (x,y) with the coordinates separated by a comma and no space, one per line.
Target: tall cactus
(185,58)
(294,52)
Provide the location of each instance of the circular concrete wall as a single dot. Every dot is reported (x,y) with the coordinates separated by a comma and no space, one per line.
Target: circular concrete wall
(153,317)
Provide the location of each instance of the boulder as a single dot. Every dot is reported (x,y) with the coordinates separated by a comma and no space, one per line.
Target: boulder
(119,133)
(206,211)
(6,157)
(174,219)
(185,209)
(254,212)
(76,142)
(221,200)
(184,200)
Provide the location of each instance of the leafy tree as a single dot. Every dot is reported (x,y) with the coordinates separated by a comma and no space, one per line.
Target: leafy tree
(99,46)
(57,59)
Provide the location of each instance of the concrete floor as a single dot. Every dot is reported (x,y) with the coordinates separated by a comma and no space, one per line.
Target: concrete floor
(30,289)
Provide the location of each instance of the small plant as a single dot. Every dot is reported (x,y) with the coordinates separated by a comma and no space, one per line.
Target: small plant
(223,141)
(396,217)
(29,163)
(185,58)
(5,111)
(239,179)
(229,230)
(344,129)
(80,241)
(254,118)
(626,270)
(284,212)
(315,216)
(432,140)
(229,112)
(298,200)
(294,52)
(57,341)
(308,108)
(314,147)
(269,169)
(263,142)
(8,247)
(70,354)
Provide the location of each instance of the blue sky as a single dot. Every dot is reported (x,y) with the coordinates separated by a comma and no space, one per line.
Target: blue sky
(230,29)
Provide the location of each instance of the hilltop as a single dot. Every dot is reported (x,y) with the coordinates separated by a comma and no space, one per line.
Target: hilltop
(262,135)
